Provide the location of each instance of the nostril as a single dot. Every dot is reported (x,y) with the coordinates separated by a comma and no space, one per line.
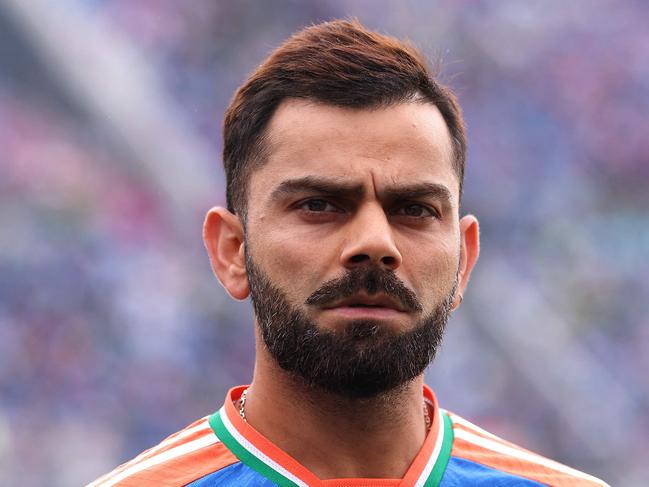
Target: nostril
(389,261)
(358,258)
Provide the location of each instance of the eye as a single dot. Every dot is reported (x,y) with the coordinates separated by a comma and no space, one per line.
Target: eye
(318,205)
(416,210)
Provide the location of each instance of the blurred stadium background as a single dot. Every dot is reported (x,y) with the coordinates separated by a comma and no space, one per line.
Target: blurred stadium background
(113,332)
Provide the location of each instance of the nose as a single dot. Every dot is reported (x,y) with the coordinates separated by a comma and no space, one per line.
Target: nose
(370,240)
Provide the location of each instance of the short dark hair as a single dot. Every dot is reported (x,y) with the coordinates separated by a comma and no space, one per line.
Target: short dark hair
(339,63)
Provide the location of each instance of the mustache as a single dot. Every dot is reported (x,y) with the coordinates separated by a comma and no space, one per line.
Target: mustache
(372,280)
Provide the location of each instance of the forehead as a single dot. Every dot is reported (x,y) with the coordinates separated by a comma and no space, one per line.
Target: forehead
(402,143)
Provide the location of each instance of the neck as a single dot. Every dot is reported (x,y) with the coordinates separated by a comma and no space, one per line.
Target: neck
(305,421)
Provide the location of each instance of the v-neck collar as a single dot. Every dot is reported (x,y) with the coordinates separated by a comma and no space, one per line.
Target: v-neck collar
(261,455)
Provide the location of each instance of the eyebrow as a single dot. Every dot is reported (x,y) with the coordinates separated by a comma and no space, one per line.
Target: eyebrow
(434,191)
(341,188)
(330,186)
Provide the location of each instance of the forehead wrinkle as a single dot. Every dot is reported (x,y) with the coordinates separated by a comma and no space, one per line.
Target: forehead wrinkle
(374,185)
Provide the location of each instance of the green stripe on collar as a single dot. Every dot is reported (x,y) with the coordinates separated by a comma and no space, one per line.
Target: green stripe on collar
(444,456)
(244,454)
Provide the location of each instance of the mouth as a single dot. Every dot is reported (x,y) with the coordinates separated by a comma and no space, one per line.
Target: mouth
(364,306)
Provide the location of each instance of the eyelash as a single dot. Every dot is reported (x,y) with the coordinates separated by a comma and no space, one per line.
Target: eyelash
(431,212)
(304,203)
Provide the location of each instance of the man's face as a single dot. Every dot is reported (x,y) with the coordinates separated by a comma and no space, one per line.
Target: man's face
(352,232)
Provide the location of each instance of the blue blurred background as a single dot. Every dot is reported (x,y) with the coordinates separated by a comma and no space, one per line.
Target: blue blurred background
(113,331)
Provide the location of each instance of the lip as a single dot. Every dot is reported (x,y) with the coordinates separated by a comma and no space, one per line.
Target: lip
(365,306)
(378,312)
(377,300)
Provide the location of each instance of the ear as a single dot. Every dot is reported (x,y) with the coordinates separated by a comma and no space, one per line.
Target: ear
(223,239)
(469,252)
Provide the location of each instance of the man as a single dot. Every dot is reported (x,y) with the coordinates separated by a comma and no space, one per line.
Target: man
(344,161)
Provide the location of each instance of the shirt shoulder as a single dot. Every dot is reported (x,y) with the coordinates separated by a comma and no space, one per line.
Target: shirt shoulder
(182,458)
(478,454)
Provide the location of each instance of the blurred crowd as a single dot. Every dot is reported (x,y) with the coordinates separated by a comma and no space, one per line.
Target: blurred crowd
(114,334)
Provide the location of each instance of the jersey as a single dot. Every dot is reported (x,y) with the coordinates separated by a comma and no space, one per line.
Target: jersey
(224,450)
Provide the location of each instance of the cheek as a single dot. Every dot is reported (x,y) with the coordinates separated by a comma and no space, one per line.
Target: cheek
(299,265)
(432,268)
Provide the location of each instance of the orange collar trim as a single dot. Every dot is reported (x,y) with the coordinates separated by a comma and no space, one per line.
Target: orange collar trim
(260,454)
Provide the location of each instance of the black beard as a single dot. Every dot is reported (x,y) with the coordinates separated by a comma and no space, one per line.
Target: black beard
(364,359)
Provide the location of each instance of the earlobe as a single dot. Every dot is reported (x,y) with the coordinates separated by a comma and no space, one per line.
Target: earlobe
(469,252)
(223,237)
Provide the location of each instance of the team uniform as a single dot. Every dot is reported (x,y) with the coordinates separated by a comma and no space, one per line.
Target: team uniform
(224,450)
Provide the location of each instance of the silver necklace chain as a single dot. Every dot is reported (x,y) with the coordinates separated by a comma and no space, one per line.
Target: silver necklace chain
(244,395)
(242,405)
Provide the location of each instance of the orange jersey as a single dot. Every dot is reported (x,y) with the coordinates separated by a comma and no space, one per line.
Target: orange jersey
(223,450)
